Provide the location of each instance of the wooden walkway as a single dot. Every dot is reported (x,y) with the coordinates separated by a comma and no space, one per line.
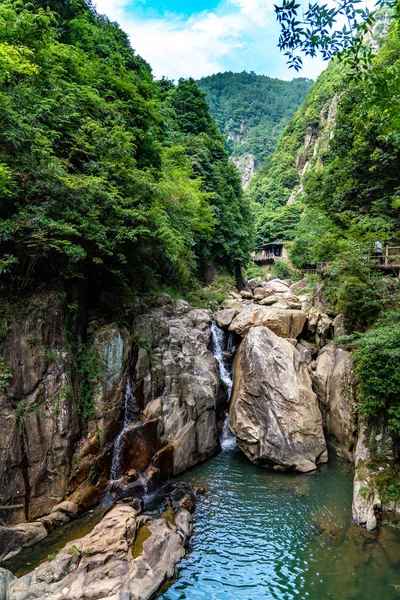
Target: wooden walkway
(389,262)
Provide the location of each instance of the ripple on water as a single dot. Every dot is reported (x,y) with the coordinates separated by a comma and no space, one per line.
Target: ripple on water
(262,535)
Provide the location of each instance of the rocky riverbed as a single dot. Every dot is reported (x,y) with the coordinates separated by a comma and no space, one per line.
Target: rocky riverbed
(159,410)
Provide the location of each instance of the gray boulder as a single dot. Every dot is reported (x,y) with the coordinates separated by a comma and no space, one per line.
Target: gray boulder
(274,413)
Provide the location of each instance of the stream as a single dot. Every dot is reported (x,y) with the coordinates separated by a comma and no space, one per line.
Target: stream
(264,535)
(258,534)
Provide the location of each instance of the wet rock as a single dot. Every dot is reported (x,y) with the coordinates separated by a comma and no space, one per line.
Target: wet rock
(55,519)
(374,457)
(115,560)
(139,443)
(274,413)
(12,539)
(334,384)
(182,378)
(284,323)
(69,508)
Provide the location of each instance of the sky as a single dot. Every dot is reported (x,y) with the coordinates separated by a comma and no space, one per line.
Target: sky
(195,39)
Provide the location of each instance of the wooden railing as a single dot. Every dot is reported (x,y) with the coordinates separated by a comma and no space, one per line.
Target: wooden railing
(390,258)
(263,255)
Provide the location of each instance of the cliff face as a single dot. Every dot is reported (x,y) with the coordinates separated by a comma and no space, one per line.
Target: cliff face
(62,404)
(40,424)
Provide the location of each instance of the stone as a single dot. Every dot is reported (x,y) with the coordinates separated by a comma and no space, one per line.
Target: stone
(233,304)
(274,413)
(268,300)
(285,323)
(365,496)
(182,378)
(224,318)
(298,285)
(54,519)
(375,452)
(253,283)
(13,538)
(182,307)
(153,409)
(334,384)
(338,326)
(164,299)
(262,292)
(276,286)
(320,326)
(246,294)
(125,556)
(69,508)
(6,579)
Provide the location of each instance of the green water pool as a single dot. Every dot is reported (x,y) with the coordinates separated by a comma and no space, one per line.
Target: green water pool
(263,535)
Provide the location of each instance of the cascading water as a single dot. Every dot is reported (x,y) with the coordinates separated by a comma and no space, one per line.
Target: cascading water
(218,337)
(131,412)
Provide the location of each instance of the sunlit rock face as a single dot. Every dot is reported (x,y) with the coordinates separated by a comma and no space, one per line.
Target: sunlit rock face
(274,412)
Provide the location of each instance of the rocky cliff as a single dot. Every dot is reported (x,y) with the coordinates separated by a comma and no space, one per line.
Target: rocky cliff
(63,406)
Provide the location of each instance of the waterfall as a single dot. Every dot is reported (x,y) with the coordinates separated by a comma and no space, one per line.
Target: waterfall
(227,440)
(131,412)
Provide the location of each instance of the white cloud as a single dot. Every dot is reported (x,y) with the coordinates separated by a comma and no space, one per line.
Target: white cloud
(259,11)
(240,34)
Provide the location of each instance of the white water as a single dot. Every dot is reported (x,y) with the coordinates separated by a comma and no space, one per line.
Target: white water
(131,412)
(227,440)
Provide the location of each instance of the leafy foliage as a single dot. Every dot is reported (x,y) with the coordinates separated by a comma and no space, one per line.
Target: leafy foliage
(341,29)
(377,358)
(251,110)
(105,176)
(279,178)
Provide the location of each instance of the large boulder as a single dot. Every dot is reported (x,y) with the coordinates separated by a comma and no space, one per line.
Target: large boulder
(284,322)
(274,413)
(224,318)
(12,539)
(124,556)
(335,387)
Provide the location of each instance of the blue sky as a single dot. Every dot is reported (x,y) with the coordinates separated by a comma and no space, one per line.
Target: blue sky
(183,39)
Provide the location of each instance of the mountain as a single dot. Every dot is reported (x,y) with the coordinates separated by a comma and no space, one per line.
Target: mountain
(251,112)
(106,175)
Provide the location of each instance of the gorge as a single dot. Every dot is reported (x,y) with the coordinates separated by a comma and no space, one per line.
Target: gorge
(170,416)
(177,420)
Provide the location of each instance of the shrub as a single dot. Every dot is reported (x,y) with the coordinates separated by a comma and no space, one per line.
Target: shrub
(377,360)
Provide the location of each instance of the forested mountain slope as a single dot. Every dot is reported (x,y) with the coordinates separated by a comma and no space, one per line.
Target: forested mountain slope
(105,176)
(332,190)
(251,111)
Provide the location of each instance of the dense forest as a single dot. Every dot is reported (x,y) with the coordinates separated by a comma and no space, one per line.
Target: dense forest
(252,110)
(106,176)
(332,190)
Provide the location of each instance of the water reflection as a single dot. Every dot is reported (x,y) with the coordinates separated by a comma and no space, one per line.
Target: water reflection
(261,535)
